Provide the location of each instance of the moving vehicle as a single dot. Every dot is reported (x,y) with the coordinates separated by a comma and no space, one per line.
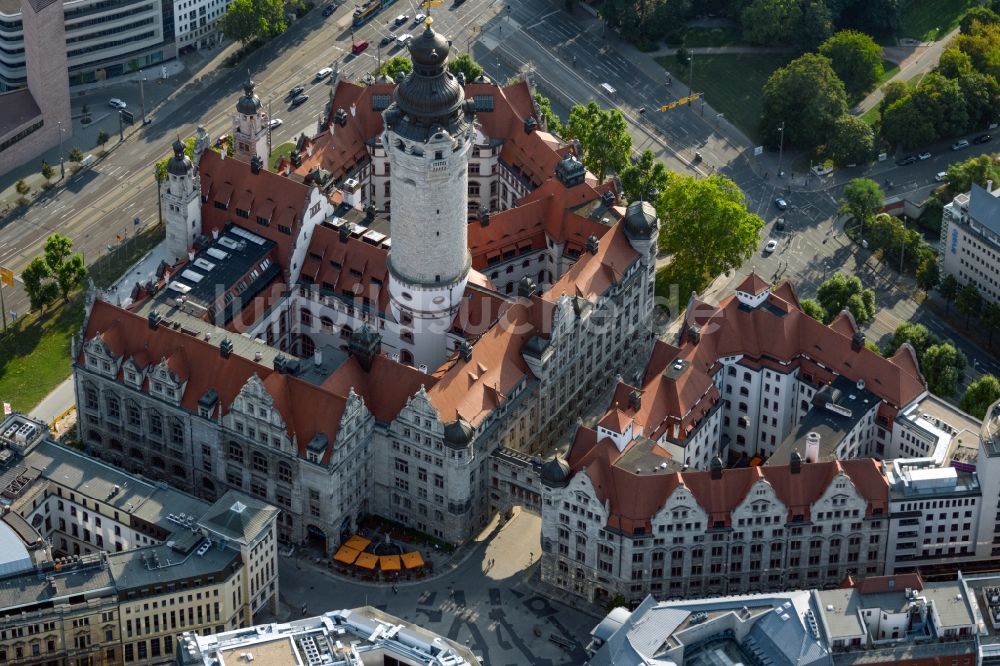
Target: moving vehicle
(780,224)
(906,161)
(401,19)
(926,155)
(982,138)
(781,203)
(329,9)
(419,18)
(388,39)
(365,12)
(275,123)
(323,73)
(403,40)
(300,100)
(116,103)
(960,144)
(941,175)
(771,246)
(359,45)
(296,91)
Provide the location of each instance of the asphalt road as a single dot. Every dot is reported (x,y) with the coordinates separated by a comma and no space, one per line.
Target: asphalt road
(100,204)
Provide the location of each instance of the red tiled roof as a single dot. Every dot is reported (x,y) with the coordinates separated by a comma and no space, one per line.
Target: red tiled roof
(265,194)
(593,274)
(385,388)
(882,584)
(349,267)
(753,284)
(615,420)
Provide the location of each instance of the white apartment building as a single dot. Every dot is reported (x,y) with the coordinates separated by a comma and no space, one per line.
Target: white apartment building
(970,240)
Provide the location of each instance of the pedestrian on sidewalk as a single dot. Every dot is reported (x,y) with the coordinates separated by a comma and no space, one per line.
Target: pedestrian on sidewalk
(394,589)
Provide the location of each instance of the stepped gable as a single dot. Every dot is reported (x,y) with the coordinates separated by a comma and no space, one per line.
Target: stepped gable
(844,323)
(385,388)
(263,195)
(307,410)
(347,267)
(472,389)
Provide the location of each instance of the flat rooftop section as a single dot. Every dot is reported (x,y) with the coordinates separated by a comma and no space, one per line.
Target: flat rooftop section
(161,564)
(19,108)
(278,652)
(963,428)
(373,231)
(648,457)
(93,479)
(990,433)
(87,575)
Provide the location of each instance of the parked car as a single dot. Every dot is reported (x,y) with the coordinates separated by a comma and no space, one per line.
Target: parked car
(300,100)
(323,73)
(960,144)
(781,203)
(401,19)
(941,175)
(982,138)
(388,39)
(275,123)
(116,103)
(906,161)
(403,40)
(780,224)
(359,45)
(419,18)
(926,155)
(296,91)
(771,246)
(329,9)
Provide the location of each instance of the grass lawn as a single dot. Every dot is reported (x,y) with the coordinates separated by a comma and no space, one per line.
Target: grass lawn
(284,150)
(34,356)
(732,84)
(696,37)
(930,20)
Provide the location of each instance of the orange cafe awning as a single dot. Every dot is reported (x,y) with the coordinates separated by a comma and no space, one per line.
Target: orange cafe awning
(367,561)
(389,562)
(358,542)
(347,555)
(412,560)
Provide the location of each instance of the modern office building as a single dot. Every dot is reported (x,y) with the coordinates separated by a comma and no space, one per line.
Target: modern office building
(338,638)
(103,567)
(970,239)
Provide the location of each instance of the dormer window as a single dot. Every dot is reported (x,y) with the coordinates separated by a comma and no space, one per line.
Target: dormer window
(131,376)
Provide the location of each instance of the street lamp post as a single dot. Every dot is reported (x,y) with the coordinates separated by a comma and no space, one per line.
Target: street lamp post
(902,247)
(62,165)
(781,146)
(142,98)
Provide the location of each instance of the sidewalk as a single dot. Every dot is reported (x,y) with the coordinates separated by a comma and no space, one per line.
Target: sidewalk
(58,408)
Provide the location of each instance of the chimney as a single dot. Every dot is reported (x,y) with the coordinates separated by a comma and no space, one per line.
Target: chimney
(989,186)
(796,463)
(215,234)
(465,351)
(345,233)
(256,164)
(812,447)
(222,153)
(225,347)
(370,211)
(635,400)
(592,244)
(318,358)
(280,364)
(530,124)
(715,467)
(608,198)
(525,287)
(190,255)
(484,216)
(365,344)
(694,335)
(340,117)
(858,341)
(154,319)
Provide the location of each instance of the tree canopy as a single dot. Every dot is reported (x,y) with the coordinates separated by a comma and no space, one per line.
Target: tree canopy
(856,59)
(706,227)
(247,20)
(550,121)
(812,308)
(861,198)
(644,178)
(942,366)
(981,393)
(918,335)
(393,67)
(979,169)
(808,97)
(57,272)
(842,292)
(465,65)
(969,301)
(603,135)
(853,141)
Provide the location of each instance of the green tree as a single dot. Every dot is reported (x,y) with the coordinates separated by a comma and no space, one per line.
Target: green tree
(467,66)
(934,109)
(102,138)
(969,301)
(856,59)
(40,290)
(769,21)
(644,178)
(247,20)
(603,135)
(47,171)
(990,319)
(22,187)
(812,308)
(706,227)
(981,393)
(64,267)
(811,25)
(948,288)
(393,67)
(550,121)
(928,273)
(861,198)
(981,15)
(980,169)
(75,155)
(853,141)
(807,97)
(942,366)
(841,292)
(919,337)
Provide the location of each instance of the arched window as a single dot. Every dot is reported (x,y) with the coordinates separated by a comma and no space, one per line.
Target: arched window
(306,317)
(346,332)
(308,346)
(406,357)
(326,324)
(284,472)
(179,471)
(208,484)
(158,462)
(94,436)
(259,462)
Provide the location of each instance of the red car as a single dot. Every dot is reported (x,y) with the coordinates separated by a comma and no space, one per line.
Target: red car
(359,46)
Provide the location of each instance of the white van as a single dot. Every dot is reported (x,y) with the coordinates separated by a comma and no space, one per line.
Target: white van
(606,87)
(403,40)
(323,73)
